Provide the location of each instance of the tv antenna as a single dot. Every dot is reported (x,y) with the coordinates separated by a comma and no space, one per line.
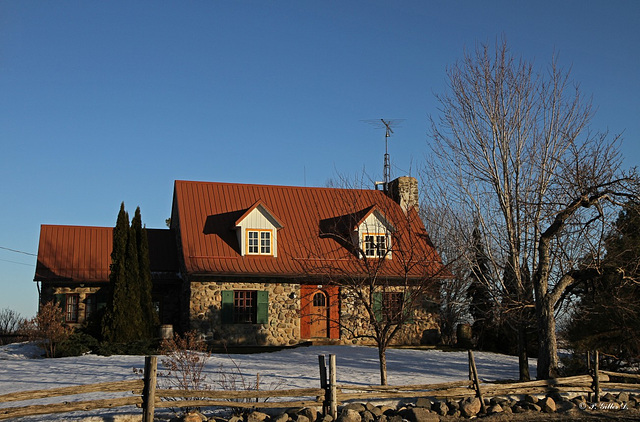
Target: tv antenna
(387,125)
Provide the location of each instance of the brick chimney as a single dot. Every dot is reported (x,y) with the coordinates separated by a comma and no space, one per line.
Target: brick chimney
(404,191)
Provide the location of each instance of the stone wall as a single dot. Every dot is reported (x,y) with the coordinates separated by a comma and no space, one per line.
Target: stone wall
(354,324)
(48,294)
(283,327)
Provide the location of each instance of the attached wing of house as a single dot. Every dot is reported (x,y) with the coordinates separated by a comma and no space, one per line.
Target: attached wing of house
(73,269)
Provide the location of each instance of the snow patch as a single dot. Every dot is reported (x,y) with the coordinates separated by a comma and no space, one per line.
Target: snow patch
(23,370)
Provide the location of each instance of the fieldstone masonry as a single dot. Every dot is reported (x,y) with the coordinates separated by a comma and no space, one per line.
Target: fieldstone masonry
(282,329)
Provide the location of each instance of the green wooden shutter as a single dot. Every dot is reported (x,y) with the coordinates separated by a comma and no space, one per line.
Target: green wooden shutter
(262,316)
(226,308)
(407,308)
(101,299)
(377,305)
(61,300)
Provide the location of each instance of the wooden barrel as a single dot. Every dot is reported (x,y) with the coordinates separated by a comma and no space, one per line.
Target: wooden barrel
(166,331)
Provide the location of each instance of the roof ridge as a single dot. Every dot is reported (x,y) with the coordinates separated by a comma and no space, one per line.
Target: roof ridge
(274,186)
(76,226)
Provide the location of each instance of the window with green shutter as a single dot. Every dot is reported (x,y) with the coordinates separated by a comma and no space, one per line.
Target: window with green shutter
(245,307)
(391,306)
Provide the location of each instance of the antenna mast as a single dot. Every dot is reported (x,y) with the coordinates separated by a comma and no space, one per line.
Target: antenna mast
(387,126)
(387,165)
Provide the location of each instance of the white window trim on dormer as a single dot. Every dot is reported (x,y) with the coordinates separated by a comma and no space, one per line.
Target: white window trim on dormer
(374,223)
(377,253)
(258,218)
(264,245)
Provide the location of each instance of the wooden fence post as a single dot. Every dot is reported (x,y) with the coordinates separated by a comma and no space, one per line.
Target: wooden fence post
(476,381)
(333,393)
(589,372)
(596,376)
(322,364)
(149,391)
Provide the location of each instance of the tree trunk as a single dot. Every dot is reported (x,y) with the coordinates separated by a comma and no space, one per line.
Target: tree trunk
(523,357)
(382,355)
(548,349)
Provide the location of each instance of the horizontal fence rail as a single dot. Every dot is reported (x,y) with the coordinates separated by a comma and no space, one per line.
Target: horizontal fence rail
(134,386)
(239,399)
(145,395)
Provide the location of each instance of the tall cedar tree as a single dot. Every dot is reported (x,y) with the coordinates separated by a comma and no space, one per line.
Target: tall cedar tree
(609,313)
(135,324)
(114,323)
(481,306)
(129,315)
(149,314)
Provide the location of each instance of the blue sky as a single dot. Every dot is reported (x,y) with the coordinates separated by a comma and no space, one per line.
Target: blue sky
(104,102)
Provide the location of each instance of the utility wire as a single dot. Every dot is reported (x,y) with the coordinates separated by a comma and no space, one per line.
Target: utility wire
(13,250)
(16,262)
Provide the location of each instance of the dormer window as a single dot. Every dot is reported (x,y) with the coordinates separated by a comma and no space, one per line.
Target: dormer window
(372,234)
(375,245)
(257,231)
(259,242)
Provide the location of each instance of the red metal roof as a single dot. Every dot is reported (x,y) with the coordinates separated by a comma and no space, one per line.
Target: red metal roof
(74,253)
(83,254)
(205,214)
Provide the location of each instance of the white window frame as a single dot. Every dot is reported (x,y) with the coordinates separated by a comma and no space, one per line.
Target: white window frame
(376,251)
(261,243)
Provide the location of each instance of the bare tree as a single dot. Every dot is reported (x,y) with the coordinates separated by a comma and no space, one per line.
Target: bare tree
(450,235)
(10,321)
(387,282)
(512,147)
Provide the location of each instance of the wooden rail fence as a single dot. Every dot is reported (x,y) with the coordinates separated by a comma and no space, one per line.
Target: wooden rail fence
(328,396)
(45,409)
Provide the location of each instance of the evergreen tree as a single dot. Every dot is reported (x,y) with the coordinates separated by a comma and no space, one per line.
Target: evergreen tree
(608,316)
(129,315)
(480,306)
(149,314)
(135,323)
(114,321)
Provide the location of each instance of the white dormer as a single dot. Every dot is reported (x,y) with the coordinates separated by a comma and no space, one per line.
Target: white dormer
(257,231)
(373,235)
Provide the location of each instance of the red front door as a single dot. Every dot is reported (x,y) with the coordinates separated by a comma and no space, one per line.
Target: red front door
(319,314)
(319,311)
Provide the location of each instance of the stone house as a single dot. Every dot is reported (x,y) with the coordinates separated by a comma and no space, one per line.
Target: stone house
(264,265)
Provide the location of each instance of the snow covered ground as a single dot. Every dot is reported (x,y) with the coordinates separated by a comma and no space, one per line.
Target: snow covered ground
(22,369)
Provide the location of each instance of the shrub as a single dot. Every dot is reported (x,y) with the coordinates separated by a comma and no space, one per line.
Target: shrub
(77,344)
(140,347)
(184,359)
(48,328)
